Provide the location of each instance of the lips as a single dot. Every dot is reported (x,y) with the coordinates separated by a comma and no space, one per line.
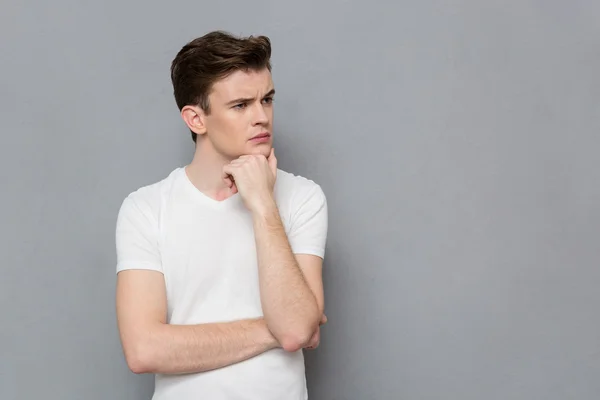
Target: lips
(264,135)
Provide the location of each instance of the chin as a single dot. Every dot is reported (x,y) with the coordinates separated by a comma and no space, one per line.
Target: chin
(265,150)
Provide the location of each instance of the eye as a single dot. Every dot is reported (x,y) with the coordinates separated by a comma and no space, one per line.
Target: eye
(268,100)
(240,106)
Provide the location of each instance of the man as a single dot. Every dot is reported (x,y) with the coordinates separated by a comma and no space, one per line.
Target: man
(219,283)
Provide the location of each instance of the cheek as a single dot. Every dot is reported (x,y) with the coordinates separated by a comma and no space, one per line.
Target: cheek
(230,131)
(235,128)
(224,126)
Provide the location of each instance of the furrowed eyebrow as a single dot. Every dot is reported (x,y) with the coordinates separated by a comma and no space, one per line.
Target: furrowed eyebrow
(240,100)
(248,99)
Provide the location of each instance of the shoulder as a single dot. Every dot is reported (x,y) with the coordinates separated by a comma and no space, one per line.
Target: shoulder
(138,225)
(291,187)
(296,194)
(303,207)
(147,200)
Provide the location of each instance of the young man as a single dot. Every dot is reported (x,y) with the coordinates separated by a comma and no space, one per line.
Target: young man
(219,282)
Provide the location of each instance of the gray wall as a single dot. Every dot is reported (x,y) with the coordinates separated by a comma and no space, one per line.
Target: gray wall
(457,143)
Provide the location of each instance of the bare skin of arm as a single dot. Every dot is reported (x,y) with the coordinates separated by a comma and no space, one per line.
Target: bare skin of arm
(312,267)
(289,305)
(153,346)
(290,286)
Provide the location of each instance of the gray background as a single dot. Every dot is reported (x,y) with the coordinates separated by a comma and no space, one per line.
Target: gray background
(457,143)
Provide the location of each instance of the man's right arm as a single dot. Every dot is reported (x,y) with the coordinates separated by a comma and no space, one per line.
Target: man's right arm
(151,345)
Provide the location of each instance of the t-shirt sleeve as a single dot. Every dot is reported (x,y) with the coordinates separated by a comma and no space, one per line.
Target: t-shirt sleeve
(308,232)
(137,237)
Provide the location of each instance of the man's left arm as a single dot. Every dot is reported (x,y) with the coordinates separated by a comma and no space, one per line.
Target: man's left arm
(290,284)
(289,266)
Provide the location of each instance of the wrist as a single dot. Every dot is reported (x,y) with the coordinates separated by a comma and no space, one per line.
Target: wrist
(263,207)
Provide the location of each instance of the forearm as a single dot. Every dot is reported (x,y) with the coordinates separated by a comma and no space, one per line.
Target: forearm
(176,349)
(289,306)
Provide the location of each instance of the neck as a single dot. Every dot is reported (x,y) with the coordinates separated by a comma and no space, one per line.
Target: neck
(206,171)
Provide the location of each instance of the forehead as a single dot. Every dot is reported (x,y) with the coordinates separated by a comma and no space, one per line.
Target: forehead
(243,84)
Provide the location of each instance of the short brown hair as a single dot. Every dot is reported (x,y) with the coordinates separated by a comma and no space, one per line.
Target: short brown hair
(209,58)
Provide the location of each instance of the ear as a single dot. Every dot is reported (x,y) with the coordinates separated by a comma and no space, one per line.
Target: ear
(195,118)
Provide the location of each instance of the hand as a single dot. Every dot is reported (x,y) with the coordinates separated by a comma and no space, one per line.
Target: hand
(253,176)
(316,337)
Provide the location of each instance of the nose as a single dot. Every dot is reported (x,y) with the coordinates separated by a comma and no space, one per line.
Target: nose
(260,115)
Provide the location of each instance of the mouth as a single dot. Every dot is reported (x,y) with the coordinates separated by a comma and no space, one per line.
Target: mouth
(264,136)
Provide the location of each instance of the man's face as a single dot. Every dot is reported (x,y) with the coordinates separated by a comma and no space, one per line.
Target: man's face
(241,114)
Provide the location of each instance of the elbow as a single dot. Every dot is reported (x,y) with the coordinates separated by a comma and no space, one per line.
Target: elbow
(297,339)
(138,366)
(298,335)
(292,343)
(138,358)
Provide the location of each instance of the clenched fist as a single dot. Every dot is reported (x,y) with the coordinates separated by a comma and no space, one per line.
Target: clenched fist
(253,176)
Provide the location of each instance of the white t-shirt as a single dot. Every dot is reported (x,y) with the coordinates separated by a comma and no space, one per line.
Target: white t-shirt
(206,251)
